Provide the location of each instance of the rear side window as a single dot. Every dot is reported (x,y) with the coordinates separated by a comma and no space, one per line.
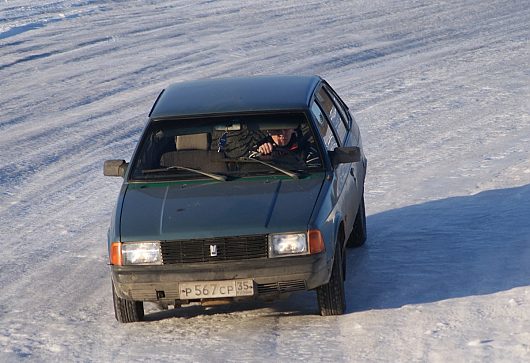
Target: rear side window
(323,127)
(335,115)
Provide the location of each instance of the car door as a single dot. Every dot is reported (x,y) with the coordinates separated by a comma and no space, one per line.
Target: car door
(358,169)
(339,124)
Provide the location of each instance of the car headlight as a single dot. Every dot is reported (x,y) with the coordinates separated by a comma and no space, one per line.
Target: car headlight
(288,244)
(141,253)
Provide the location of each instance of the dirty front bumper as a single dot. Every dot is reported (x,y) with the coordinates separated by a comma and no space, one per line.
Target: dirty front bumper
(271,276)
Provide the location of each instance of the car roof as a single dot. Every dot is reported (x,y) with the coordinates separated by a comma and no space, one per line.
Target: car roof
(235,95)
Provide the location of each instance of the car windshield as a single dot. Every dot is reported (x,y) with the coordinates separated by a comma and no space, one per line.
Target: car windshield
(223,148)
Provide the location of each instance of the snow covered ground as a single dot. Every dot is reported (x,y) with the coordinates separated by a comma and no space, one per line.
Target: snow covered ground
(441,92)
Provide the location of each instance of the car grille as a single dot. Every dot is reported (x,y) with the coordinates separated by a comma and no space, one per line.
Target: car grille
(282,286)
(226,249)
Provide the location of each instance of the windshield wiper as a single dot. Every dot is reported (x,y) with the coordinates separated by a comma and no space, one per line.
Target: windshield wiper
(281,170)
(177,167)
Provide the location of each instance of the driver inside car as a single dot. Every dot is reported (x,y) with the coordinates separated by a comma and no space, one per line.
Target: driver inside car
(283,138)
(288,147)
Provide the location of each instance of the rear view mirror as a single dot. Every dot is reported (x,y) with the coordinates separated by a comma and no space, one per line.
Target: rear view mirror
(228,127)
(347,154)
(115,167)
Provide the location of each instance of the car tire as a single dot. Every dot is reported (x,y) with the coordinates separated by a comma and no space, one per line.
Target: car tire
(358,234)
(127,311)
(331,296)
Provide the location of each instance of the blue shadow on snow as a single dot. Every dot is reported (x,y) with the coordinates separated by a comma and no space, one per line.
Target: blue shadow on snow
(450,248)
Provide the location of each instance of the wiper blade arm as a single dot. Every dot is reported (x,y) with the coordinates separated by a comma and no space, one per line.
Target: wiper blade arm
(281,170)
(178,167)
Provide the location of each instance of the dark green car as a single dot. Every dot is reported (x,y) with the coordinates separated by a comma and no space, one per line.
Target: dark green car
(239,188)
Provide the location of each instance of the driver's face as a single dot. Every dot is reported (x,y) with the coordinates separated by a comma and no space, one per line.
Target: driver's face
(281,137)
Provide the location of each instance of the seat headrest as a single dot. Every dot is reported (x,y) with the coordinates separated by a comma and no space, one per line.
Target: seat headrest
(192,142)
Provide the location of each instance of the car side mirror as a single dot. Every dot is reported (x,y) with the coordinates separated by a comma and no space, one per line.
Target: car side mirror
(346,154)
(115,168)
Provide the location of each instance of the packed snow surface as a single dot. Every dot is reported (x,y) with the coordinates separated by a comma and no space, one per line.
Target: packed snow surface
(441,91)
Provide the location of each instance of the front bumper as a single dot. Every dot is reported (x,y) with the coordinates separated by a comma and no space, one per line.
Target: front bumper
(271,276)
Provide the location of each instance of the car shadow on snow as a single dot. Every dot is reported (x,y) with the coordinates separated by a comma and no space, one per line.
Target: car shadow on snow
(450,248)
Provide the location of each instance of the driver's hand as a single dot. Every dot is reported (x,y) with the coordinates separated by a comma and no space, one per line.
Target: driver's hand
(266,148)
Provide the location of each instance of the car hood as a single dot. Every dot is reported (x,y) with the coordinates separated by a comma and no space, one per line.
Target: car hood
(166,211)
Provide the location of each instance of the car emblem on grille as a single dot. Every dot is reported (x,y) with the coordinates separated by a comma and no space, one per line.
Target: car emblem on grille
(213,250)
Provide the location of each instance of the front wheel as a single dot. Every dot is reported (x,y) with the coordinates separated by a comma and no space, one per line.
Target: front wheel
(358,233)
(127,311)
(331,296)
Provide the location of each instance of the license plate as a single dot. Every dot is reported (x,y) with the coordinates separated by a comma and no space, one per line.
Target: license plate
(215,289)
